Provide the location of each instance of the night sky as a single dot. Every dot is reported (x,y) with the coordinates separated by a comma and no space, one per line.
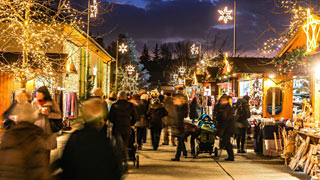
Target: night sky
(151,21)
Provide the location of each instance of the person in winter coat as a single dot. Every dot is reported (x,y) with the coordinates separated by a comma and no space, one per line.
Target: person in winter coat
(141,109)
(89,154)
(155,113)
(242,115)
(9,116)
(195,109)
(123,116)
(46,109)
(182,110)
(226,126)
(172,114)
(145,101)
(23,148)
(111,100)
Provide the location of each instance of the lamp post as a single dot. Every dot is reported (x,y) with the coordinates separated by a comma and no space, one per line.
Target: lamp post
(122,49)
(225,15)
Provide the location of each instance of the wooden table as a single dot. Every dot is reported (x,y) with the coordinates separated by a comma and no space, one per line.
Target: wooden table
(314,138)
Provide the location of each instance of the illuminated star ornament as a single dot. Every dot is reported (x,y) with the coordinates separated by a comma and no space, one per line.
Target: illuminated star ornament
(94,9)
(182,70)
(311,28)
(130,69)
(194,49)
(123,48)
(225,15)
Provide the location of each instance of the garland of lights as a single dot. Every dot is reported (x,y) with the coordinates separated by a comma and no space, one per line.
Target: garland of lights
(299,16)
(34,28)
(297,58)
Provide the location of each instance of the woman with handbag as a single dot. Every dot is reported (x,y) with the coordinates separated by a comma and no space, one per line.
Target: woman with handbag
(47,111)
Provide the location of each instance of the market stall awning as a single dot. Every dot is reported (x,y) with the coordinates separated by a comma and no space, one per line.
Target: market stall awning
(252,65)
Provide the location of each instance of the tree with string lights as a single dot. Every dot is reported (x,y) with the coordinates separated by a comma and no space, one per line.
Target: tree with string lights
(34,28)
(297,9)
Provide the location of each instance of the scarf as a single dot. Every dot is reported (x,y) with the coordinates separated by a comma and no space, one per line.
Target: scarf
(41,102)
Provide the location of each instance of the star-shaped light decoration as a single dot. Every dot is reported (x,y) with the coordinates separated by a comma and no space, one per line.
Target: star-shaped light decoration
(175,76)
(225,15)
(182,70)
(311,28)
(123,48)
(94,9)
(194,49)
(130,69)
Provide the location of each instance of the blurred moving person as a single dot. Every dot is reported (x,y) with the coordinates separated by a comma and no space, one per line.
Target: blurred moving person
(226,126)
(141,124)
(195,109)
(23,147)
(9,116)
(156,113)
(46,109)
(172,114)
(242,115)
(89,154)
(182,110)
(123,116)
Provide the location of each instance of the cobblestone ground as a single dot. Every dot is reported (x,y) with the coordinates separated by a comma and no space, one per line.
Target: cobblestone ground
(156,165)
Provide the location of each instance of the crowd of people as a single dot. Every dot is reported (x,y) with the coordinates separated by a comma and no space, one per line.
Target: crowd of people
(91,152)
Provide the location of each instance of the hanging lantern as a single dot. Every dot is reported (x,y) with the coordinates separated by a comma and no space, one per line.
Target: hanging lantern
(130,69)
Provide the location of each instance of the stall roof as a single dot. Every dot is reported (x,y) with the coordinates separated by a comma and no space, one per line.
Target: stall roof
(253,65)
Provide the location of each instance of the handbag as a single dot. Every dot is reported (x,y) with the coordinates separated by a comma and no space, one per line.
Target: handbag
(56,125)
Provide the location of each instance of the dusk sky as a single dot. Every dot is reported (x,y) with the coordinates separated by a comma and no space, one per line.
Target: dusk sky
(151,21)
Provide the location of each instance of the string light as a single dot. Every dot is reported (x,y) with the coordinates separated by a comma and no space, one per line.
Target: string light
(225,15)
(34,29)
(311,28)
(227,63)
(182,70)
(299,15)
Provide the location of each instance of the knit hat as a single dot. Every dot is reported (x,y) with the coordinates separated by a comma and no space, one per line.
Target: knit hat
(97,92)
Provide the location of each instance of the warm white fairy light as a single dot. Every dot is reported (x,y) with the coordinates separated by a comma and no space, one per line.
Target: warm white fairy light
(225,15)
(194,49)
(311,28)
(299,15)
(35,29)
(175,76)
(123,48)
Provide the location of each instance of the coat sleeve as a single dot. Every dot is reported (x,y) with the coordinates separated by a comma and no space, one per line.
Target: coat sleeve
(55,111)
(111,114)
(8,112)
(134,115)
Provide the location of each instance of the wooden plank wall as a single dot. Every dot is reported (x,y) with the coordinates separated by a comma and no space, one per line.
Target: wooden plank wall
(6,87)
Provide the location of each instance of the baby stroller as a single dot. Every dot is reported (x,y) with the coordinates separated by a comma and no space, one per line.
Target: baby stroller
(132,149)
(207,136)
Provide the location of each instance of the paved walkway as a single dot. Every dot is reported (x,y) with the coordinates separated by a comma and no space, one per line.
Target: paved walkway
(156,165)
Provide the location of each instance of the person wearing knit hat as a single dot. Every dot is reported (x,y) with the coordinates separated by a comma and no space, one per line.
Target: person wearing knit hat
(88,153)
(97,92)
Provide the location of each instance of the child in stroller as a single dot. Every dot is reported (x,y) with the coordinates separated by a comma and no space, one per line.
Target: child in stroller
(205,140)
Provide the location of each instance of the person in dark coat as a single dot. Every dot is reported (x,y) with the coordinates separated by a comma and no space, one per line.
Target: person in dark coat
(242,115)
(182,110)
(226,126)
(145,101)
(141,108)
(89,154)
(23,148)
(123,116)
(155,113)
(195,109)
(172,114)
